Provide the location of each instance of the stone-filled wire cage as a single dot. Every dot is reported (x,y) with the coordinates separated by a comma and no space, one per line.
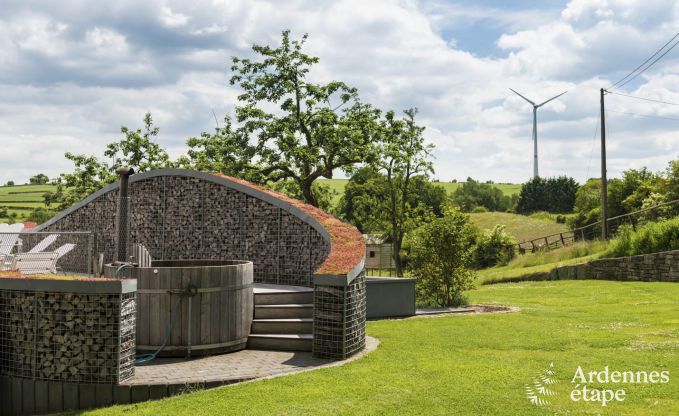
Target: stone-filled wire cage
(339,319)
(74,337)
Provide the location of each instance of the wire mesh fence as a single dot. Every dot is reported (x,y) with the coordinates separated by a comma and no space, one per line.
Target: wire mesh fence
(48,252)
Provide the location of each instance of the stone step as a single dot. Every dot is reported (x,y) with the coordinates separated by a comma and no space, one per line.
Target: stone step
(283,326)
(280,342)
(284,297)
(287,311)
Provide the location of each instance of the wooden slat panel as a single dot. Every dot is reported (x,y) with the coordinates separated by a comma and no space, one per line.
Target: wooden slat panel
(56,397)
(215,299)
(175,282)
(155,330)
(142,309)
(41,397)
(205,314)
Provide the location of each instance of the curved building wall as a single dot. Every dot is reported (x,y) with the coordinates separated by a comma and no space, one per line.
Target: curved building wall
(181,215)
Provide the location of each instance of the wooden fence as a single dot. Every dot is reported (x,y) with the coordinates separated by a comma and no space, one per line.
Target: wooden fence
(588,232)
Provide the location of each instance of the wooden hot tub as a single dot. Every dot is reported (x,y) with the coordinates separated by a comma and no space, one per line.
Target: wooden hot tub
(209,301)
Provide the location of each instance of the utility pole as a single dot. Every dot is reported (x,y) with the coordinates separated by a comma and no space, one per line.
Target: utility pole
(604,181)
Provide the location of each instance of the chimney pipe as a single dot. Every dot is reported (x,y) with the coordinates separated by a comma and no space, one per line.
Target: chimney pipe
(122,219)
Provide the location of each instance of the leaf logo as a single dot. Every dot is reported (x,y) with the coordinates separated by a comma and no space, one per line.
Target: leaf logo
(538,392)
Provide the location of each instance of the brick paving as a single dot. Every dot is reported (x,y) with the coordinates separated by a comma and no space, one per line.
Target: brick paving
(230,368)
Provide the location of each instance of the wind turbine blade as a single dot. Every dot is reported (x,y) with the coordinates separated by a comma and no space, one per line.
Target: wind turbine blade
(532,103)
(553,98)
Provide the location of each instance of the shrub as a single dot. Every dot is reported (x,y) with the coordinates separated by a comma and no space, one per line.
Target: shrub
(441,255)
(494,247)
(479,209)
(653,237)
(40,215)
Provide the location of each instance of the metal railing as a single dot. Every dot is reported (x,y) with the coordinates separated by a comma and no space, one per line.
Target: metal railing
(32,252)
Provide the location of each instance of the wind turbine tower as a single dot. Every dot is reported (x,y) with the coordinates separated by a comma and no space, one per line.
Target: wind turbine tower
(535,127)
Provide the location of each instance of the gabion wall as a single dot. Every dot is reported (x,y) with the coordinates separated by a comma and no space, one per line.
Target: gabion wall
(184,217)
(339,319)
(74,337)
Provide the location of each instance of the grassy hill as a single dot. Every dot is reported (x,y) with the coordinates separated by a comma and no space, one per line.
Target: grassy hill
(338,185)
(22,199)
(520,226)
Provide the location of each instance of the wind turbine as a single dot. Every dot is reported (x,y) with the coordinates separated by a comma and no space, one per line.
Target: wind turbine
(535,127)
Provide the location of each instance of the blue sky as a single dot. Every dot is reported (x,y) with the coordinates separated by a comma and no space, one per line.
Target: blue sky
(73,72)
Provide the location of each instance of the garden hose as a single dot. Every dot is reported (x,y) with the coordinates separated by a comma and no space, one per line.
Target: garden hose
(188,292)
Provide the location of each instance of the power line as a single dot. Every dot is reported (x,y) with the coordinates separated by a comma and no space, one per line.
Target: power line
(642,98)
(629,77)
(591,151)
(643,115)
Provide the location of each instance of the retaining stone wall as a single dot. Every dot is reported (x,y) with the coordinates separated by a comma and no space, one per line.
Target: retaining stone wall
(656,267)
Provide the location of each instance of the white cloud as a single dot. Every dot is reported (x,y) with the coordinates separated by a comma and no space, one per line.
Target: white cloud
(71,76)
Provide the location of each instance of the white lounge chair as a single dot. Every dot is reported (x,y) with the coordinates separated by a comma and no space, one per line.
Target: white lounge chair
(35,263)
(9,236)
(64,250)
(42,245)
(43,262)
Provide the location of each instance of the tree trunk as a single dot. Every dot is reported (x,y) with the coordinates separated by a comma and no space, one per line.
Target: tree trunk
(308,193)
(398,261)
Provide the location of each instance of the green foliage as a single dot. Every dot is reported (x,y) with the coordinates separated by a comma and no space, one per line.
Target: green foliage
(653,237)
(10,183)
(474,194)
(393,195)
(315,129)
(494,247)
(637,189)
(661,212)
(40,215)
(547,194)
(39,179)
(137,149)
(479,209)
(441,256)
(225,151)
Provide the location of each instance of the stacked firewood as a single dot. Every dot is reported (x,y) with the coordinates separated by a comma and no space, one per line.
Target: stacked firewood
(63,336)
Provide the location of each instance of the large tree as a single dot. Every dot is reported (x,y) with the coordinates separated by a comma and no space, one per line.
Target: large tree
(137,149)
(299,130)
(403,155)
(393,195)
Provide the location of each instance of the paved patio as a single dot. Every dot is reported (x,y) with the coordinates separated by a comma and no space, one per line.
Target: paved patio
(231,368)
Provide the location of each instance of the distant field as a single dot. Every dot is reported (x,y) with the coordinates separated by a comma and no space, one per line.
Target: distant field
(21,199)
(338,185)
(520,226)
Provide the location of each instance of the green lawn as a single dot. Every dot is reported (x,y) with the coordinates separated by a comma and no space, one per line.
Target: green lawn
(480,364)
(520,226)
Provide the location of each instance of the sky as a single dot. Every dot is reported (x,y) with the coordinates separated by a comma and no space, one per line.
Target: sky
(73,72)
